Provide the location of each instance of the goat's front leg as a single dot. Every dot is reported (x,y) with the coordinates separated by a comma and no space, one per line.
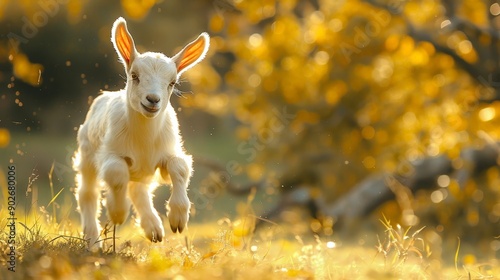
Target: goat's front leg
(140,194)
(179,168)
(115,174)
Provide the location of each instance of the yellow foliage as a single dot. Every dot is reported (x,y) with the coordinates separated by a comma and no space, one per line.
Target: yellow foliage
(255,11)
(75,8)
(137,9)
(304,116)
(406,46)
(356,83)
(475,11)
(216,23)
(299,274)
(469,259)
(255,171)
(4,137)
(157,260)
(243,227)
(335,91)
(423,11)
(3,4)
(26,71)
(392,42)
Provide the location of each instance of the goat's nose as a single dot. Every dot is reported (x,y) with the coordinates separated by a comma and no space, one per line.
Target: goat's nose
(154,99)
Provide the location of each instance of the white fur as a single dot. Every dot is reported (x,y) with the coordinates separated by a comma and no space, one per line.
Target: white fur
(129,134)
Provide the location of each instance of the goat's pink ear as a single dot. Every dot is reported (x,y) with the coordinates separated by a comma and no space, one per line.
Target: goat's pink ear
(192,53)
(123,42)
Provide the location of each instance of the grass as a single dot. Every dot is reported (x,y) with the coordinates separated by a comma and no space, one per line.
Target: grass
(220,253)
(52,248)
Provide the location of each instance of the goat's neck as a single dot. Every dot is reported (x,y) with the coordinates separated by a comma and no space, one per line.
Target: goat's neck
(142,126)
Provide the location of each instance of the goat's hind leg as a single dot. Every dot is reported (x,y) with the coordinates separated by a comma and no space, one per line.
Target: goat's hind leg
(88,201)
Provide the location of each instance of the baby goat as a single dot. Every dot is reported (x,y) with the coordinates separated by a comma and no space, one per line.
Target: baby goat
(129,134)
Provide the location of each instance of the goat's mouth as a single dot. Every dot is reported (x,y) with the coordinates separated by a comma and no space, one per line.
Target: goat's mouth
(150,109)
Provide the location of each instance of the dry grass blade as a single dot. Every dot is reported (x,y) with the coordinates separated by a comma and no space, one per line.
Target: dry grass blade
(65,237)
(456,255)
(54,198)
(400,243)
(51,184)
(114,239)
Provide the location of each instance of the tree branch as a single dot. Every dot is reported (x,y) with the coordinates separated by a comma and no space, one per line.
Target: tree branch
(374,191)
(371,193)
(494,39)
(488,64)
(424,36)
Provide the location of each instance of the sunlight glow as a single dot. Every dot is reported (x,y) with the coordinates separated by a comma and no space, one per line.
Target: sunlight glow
(495,9)
(487,114)
(439,195)
(443,181)
(465,46)
(254,80)
(331,244)
(445,23)
(335,25)
(45,262)
(255,40)
(321,57)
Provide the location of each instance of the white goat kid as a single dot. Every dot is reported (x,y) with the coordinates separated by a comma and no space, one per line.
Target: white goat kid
(129,134)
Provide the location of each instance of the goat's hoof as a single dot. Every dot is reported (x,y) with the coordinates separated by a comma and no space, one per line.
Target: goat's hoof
(91,235)
(176,228)
(153,228)
(178,215)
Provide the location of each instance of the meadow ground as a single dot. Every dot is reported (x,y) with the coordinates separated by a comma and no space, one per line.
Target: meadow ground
(46,249)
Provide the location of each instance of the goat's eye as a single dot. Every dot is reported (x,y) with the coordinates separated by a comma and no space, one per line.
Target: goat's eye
(134,77)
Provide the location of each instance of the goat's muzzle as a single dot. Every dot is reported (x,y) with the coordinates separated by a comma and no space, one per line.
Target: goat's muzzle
(153,104)
(153,108)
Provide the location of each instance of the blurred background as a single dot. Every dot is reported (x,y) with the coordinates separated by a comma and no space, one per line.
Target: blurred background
(325,114)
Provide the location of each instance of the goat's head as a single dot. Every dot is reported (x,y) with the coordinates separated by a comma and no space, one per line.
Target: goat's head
(151,77)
